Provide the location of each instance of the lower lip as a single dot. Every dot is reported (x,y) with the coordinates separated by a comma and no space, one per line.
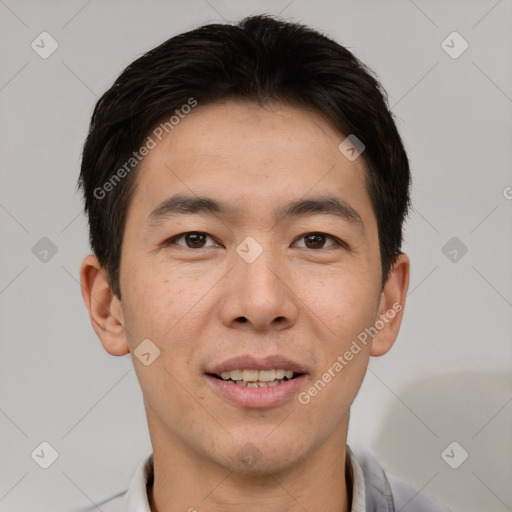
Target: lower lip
(257,398)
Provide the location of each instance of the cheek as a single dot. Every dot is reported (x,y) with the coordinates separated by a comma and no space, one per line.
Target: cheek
(160,308)
(157,302)
(344,304)
(165,308)
(341,310)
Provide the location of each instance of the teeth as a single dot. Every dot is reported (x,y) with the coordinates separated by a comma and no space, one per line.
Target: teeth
(250,375)
(266,375)
(257,376)
(257,384)
(236,375)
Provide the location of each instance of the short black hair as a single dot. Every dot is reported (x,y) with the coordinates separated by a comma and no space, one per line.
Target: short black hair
(261,59)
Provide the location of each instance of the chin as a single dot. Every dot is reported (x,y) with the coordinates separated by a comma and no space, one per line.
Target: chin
(262,456)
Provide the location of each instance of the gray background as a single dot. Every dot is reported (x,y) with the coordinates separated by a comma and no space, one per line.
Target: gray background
(448,377)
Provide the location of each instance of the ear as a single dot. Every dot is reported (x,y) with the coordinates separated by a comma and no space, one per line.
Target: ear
(391,307)
(105,309)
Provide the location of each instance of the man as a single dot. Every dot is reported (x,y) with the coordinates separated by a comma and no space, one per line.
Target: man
(246,188)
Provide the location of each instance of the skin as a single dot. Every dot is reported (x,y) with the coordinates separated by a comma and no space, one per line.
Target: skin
(297,300)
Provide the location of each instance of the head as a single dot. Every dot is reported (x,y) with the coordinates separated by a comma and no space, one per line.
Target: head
(232,133)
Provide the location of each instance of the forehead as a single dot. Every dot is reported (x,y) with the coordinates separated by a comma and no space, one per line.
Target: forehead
(251,157)
(236,127)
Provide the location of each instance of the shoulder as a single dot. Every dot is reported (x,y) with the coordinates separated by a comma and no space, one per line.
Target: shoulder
(386,492)
(408,499)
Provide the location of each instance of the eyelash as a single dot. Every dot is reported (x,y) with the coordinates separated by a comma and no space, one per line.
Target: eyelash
(172,240)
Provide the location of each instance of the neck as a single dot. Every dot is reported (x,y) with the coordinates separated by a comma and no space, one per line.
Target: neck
(186,481)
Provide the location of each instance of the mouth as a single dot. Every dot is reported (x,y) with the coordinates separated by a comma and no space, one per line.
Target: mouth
(253,382)
(253,378)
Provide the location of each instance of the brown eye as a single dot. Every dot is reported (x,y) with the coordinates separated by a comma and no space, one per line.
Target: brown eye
(318,240)
(193,240)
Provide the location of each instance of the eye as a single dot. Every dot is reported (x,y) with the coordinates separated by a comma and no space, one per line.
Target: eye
(196,240)
(317,240)
(193,239)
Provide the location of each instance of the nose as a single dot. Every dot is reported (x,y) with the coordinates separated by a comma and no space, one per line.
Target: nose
(259,295)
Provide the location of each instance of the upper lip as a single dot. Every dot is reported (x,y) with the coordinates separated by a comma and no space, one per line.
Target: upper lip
(248,362)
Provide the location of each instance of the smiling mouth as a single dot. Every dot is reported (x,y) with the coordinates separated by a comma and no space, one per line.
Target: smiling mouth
(257,378)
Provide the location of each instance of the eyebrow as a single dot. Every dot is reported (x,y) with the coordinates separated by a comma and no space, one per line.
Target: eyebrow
(180,204)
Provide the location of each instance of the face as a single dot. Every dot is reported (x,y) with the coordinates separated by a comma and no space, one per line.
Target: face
(279,269)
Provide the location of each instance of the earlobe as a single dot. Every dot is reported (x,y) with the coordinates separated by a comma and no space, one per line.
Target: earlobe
(391,307)
(104,307)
